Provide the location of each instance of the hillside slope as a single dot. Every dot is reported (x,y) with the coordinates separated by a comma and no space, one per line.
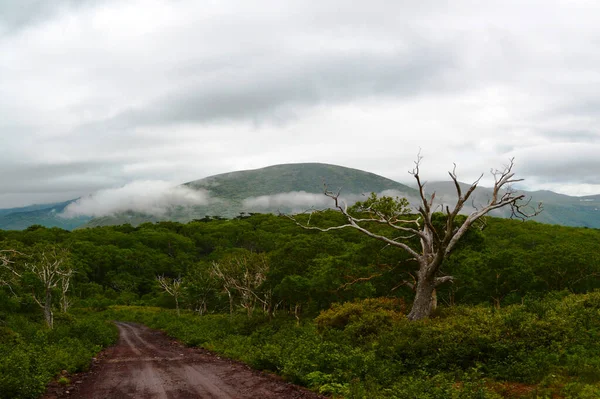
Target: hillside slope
(284,188)
(558,208)
(308,177)
(47,215)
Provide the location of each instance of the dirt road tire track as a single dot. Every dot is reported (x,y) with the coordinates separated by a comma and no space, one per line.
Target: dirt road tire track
(146,364)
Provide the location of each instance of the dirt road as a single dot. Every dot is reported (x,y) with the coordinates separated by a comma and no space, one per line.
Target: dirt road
(147,364)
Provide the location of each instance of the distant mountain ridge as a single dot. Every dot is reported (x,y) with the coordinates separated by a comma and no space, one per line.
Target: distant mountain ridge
(43,214)
(308,177)
(294,187)
(558,208)
(242,191)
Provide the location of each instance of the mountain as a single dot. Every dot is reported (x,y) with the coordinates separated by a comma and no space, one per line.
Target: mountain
(296,187)
(42,214)
(308,177)
(560,209)
(286,188)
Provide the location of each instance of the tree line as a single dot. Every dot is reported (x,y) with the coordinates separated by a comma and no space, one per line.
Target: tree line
(266,263)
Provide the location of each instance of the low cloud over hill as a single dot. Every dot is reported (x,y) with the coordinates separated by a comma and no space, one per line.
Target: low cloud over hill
(148,197)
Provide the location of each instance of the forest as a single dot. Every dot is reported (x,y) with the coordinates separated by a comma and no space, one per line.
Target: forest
(327,310)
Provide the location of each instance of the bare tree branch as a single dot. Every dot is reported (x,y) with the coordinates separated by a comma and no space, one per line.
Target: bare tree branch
(357,280)
(436,242)
(171,287)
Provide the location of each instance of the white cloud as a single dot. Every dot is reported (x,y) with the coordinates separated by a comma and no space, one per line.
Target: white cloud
(149,197)
(300,201)
(295,200)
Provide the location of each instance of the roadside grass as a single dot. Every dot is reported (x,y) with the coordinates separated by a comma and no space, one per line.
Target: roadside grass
(368,349)
(32,355)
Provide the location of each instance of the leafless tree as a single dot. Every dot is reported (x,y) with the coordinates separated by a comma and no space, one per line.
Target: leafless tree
(201,286)
(51,266)
(8,269)
(435,243)
(65,283)
(223,274)
(171,287)
(245,275)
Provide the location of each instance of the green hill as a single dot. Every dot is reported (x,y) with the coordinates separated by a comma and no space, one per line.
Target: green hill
(308,177)
(247,191)
(47,215)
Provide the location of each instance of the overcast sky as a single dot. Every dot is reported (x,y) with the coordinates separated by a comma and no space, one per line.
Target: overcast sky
(101,94)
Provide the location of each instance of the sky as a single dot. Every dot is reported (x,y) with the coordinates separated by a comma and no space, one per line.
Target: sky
(100,95)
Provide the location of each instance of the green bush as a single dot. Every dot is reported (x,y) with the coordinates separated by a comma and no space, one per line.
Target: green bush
(32,355)
(362,319)
(368,349)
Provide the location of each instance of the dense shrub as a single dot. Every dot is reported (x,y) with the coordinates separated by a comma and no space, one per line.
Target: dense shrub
(368,349)
(30,355)
(367,316)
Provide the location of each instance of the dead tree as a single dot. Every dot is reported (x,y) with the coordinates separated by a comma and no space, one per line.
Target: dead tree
(222,273)
(201,287)
(51,268)
(65,282)
(50,265)
(435,243)
(8,270)
(245,275)
(171,287)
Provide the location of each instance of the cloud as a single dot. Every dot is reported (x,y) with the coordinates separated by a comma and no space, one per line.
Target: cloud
(15,15)
(299,201)
(294,200)
(52,177)
(99,93)
(148,197)
(562,163)
(276,89)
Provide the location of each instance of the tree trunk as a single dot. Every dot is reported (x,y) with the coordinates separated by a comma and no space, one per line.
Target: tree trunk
(177,306)
(48,316)
(496,302)
(422,305)
(201,308)
(296,315)
(64,302)
(230,303)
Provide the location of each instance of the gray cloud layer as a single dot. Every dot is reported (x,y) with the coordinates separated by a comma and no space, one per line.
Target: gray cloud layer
(15,15)
(148,197)
(95,94)
(275,88)
(301,201)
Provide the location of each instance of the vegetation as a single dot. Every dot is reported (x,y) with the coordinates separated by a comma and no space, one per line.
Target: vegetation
(326,310)
(32,355)
(369,349)
(437,238)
